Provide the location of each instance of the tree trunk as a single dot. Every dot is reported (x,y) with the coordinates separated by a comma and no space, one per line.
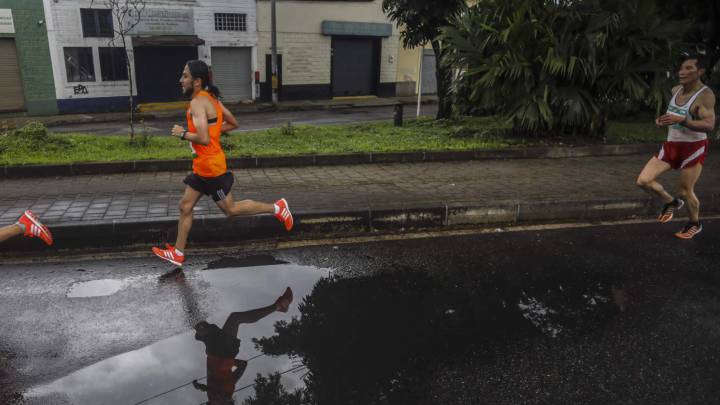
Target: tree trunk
(443,76)
(130,80)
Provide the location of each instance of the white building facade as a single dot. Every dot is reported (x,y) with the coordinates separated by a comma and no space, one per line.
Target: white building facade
(328,49)
(88,57)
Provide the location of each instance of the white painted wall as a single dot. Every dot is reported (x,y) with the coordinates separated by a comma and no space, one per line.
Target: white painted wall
(306,52)
(65,30)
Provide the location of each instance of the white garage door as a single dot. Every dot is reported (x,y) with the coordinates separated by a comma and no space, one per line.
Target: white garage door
(232,73)
(11,89)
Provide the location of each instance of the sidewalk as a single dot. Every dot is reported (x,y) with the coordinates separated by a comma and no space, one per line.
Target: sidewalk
(14,121)
(124,209)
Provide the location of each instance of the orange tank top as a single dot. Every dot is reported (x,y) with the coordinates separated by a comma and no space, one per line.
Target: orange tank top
(208,160)
(219,375)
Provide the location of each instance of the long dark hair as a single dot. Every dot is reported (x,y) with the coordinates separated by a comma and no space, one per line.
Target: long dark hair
(200,70)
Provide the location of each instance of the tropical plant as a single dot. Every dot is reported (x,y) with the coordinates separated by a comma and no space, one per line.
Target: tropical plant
(421,22)
(703,34)
(559,66)
(704,30)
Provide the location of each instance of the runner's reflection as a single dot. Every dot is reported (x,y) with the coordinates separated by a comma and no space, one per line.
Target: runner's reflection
(222,345)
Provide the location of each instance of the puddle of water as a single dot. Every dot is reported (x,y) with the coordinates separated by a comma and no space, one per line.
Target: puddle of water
(175,362)
(380,336)
(95,288)
(249,261)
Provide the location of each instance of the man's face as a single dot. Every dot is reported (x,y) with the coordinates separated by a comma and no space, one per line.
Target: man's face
(186,82)
(689,71)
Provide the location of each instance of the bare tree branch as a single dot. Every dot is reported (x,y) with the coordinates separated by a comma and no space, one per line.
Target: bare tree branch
(127,15)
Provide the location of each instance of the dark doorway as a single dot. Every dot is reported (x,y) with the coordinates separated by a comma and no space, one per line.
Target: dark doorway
(158,70)
(266,87)
(355,66)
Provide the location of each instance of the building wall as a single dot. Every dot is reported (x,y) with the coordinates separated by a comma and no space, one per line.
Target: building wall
(409,70)
(65,30)
(306,54)
(33,55)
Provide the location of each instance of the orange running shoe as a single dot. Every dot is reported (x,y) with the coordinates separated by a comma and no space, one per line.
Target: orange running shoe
(669,209)
(34,228)
(690,230)
(284,214)
(170,254)
(282,304)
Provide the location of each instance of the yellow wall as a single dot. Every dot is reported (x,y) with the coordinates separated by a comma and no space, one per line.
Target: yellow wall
(408,68)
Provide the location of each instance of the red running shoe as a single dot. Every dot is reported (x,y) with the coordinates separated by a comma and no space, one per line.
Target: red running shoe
(282,304)
(34,228)
(690,230)
(284,214)
(669,209)
(170,254)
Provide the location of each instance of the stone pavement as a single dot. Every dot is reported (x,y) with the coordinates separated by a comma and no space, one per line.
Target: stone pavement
(143,206)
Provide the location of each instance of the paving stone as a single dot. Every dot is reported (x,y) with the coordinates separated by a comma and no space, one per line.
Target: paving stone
(118,196)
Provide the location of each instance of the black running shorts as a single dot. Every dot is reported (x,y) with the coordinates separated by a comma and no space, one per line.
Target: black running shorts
(216,187)
(219,343)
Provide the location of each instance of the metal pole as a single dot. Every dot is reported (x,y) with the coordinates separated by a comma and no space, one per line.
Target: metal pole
(274,70)
(420,70)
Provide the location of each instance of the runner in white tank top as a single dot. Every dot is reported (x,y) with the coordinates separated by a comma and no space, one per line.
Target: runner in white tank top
(690,116)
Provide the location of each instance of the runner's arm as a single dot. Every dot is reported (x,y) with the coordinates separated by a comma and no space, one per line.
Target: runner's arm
(659,121)
(241,367)
(229,121)
(199,117)
(704,112)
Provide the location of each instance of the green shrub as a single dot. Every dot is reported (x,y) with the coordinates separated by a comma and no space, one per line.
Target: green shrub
(33,132)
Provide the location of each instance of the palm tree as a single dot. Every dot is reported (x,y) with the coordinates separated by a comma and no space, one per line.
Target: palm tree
(558,66)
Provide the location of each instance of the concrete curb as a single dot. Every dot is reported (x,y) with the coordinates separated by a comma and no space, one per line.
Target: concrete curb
(140,166)
(350,221)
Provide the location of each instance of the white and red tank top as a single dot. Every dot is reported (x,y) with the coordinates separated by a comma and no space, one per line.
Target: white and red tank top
(680,133)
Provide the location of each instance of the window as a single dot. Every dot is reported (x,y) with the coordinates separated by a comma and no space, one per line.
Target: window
(112,64)
(230,22)
(96,22)
(79,65)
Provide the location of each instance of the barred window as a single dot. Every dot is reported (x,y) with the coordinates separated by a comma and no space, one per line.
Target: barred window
(79,64)
(113,66)
(230,22)
(96,22)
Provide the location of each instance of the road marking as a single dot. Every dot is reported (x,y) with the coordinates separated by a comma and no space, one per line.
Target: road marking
(143,251)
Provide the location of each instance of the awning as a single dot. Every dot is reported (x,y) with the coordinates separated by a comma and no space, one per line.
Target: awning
(168,40)
(356,29)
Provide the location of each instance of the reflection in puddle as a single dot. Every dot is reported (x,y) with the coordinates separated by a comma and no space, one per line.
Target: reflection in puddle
(248,261)
(378,339)
(95,288)
(244,307)
(382,339)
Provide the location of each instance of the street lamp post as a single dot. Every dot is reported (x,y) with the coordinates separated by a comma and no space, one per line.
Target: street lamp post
(274,69)
(420,73)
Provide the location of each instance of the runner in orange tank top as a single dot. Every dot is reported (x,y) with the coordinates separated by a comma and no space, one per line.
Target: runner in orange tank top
(222,345)
(207,119)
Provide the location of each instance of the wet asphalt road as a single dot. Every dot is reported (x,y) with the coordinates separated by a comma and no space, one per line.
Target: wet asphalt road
(255,121)
(607,314)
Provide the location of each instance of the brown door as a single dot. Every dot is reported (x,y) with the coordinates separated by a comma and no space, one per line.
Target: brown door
(11,90)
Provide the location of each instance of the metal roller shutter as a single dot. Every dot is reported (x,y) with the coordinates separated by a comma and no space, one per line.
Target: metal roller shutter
(429,80)
(355,66)
(232,73)
(13,98)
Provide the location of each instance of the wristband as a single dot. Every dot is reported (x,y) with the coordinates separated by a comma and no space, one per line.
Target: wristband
(182,136)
